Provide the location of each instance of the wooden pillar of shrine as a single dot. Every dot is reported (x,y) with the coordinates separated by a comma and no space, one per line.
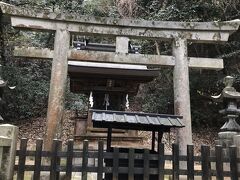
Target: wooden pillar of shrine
(57,86)
(182,92)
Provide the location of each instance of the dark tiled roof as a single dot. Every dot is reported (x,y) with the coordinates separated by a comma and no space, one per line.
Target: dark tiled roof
(89,69)
(135,121)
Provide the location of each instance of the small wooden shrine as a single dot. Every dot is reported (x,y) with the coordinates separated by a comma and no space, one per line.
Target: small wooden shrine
(109,86)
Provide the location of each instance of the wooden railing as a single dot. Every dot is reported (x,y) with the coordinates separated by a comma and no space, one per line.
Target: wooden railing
(131,164)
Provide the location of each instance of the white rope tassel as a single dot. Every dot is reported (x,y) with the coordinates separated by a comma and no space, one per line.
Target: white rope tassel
(91,99)
(127,102)
(106,101)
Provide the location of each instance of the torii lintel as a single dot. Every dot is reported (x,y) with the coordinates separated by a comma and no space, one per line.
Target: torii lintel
(194,31)
(121,58)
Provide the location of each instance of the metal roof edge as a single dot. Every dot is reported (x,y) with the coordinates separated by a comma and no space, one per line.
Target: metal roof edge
(137,113)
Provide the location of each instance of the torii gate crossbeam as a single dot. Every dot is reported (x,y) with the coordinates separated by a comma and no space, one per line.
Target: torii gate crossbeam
(122,29)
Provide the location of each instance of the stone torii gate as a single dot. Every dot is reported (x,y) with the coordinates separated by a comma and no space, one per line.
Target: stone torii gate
(179,33)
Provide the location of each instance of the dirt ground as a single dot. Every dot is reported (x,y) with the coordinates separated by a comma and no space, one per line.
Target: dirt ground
(34,129)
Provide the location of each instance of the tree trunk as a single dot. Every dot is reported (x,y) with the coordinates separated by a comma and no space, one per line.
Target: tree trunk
(126,8)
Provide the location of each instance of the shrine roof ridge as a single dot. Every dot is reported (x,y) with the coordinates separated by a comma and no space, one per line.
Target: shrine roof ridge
(11,10)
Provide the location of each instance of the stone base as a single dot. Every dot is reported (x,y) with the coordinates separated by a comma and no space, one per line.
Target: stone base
(225,139)
(227,135)
(224,142)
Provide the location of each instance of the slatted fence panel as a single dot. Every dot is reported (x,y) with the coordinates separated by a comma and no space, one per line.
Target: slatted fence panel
(125,164)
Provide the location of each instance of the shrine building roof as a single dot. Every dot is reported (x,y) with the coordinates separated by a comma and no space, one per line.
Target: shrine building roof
(78,69)
(135,120)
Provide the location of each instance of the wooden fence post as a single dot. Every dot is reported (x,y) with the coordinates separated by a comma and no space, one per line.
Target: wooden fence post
(100,161)
(38,159)
(219,162)
(161,161)
(115,163)
(146,164)
(175,151)
(233,162)
(131,164)
(85,160)
(69,160)
(22,159)
(190,162)
(55,160)
(206,166)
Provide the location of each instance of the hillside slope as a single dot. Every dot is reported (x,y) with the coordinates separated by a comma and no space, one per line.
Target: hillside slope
(34,128)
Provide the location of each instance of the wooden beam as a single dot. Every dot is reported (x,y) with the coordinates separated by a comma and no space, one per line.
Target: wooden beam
(34,53)
(111,57)
(106,21)
(97,56)
(109,139)
(153,140)
(205,63)
(121,58)
(160,136)
(128,31)
(104,89)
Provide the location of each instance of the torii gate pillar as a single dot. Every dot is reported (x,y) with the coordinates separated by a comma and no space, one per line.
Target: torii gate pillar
(58,85)
(182,92)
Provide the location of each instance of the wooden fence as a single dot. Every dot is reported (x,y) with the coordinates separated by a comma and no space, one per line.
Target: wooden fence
(153,165)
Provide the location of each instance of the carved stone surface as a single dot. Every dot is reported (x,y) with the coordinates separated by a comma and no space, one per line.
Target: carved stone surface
(8,140)
(229,96)
(229,132)
(228,92)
